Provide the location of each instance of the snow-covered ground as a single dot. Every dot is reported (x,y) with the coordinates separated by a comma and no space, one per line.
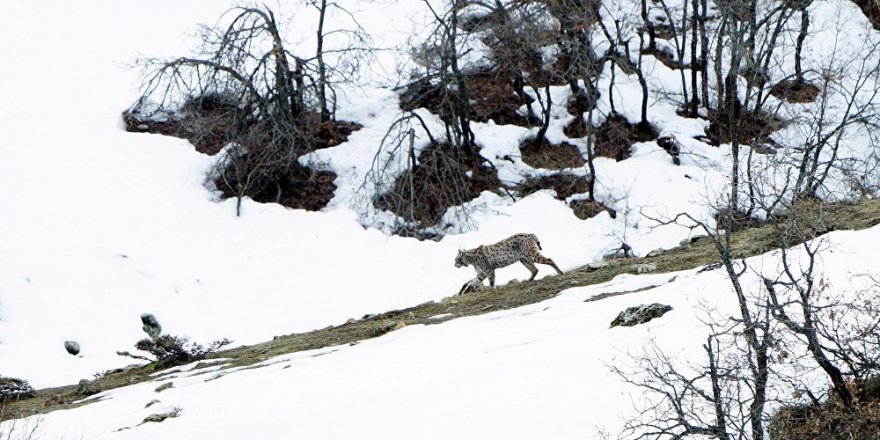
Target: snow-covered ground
(538,371)
(99,225)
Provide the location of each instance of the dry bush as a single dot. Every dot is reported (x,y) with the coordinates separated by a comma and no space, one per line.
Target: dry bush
(171,350)
(244,90)
(587,209)
(565,185)
(614,137)
(754,128)
(493,98)
(542,154)
(204,120)
(741,220)
(666,56)
(830,420)
(795,91)
(443,177)
(13,389)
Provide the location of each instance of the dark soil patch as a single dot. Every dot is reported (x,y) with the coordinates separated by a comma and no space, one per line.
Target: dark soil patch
(444,177)
(795,91)
(665,56)
(553,75)
(491,97)
(586,209)
(207,133)
(542,154)
(581,103)
(296,186)
(754,128)
(565,185)
(209,129)
(614,138)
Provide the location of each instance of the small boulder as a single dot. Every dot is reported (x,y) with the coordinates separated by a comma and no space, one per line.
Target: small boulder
(160,417)
(152,402)
(72,347)
(646,267)
(87,388)
(151,326)
(640,314)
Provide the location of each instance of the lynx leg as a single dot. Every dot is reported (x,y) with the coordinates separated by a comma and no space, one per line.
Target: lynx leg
(544,260)
(531,267)
(470,285)
(491,279)
(478,281)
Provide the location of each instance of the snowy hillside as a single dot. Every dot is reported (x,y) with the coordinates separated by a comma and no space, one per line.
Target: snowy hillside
(100,225)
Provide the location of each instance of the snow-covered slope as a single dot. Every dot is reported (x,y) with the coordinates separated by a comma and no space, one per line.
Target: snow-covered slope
(99,225)
(539,371)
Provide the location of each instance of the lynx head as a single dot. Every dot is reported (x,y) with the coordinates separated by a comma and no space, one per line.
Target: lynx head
(462,260)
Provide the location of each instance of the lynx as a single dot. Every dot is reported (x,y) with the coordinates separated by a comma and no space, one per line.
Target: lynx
(485,259)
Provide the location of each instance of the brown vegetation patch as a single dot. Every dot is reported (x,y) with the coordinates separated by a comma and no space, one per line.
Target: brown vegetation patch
(443,177)
(580,103)
(577,128)
(207,133)
(616,135)
(491,96)
(565,185)
(296,186)
(830,420)
(586,209)
(209,128)
(753,128)
(266,168)
(665,56)
(795,91)
(539,153)
(741,220)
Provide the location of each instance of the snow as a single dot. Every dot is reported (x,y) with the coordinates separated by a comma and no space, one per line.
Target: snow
(99,226)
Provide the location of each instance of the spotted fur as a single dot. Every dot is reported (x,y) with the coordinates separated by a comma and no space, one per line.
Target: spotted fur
(524,248)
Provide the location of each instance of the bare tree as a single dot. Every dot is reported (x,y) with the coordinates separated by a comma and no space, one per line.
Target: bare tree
(246,89)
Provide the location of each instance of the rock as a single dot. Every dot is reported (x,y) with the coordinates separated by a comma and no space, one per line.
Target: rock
(640,314)
(87,388)
(72,347)
(152,402)
(160,417)
(595,265)
(646,268)
(151,326)
(655,252)
(164,387)
(14,389)
(387,326)
(672,146)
